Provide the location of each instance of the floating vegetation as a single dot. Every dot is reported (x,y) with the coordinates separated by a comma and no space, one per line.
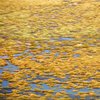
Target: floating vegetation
(49,51)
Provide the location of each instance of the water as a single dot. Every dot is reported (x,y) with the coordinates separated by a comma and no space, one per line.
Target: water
(10,67)
(17,55)
(76,55)
(33,86)
(97,91)
(85,90)
(5,84)
(66,39)
(47,51)
(1,71)
(24,52)
(56,54)
(45,87)
(5,87)
(4,57)
(70,91)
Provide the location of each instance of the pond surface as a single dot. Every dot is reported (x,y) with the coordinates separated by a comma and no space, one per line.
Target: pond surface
(45,73)
(49,52)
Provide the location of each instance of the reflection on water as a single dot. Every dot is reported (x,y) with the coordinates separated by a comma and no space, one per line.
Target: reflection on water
(76,55)
(55,51)
(66,39)
(46,51)
(4,57)
(41,86)
(10,67)
(1,70)
(5,83)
